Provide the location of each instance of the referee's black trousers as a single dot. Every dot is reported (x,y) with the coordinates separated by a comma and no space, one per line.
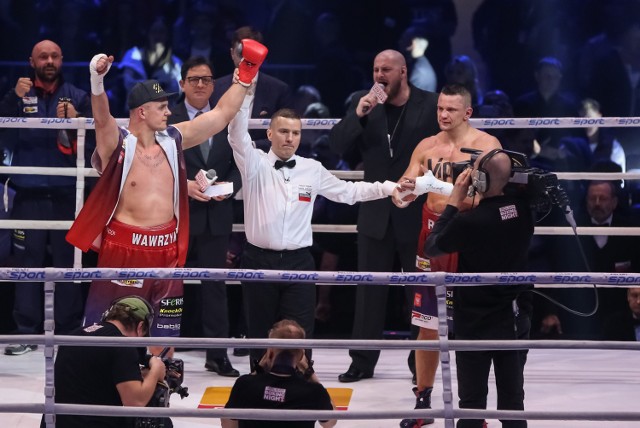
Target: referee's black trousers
(473,376)
(267,302)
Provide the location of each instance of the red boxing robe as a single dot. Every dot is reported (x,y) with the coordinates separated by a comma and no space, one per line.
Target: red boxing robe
(86,231)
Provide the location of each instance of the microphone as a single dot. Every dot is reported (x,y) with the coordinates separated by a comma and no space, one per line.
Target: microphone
(378,91)
(206,178)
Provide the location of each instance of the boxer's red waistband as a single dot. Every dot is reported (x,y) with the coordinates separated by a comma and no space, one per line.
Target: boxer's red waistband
(429,217)
(162,236)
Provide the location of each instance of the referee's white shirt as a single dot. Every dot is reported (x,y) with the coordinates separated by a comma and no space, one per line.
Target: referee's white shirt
(278,204)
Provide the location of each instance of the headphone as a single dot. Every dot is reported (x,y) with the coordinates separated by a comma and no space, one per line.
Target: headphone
(147,318)
(480,180)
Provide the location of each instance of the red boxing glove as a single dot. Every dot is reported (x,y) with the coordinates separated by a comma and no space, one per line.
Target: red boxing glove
(253,54)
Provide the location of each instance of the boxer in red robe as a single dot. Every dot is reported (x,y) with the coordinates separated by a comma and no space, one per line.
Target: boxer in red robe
(137,214)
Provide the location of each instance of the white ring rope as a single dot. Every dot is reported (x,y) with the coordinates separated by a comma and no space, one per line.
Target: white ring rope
(337,228)
(493,123)
(330,277)
(431,345)
(88,123)
(49,339)
(440,278)
(298,415)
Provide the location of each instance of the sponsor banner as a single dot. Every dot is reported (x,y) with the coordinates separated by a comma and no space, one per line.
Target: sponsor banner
(465,279)
(13,120)
(328,123)
(408,278)
(515,278)
(82,274)
(171,327)
(623,279)
(245,275)
(571,279)
(302,276)
(17,274)
(135,274)
(132,276)
(353,277)
(170,307)
(190,274)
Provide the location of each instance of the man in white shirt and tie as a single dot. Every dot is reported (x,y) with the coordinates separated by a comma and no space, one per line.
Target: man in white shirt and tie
(279,190)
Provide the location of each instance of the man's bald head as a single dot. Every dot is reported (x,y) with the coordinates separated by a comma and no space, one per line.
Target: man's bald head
(45,45)
(498,167)
(46,60)
(392,56)
(390,70)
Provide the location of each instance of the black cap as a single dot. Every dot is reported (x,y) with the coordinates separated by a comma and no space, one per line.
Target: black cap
(143,92)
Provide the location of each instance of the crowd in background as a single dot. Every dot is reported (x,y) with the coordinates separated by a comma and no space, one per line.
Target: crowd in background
(541,58)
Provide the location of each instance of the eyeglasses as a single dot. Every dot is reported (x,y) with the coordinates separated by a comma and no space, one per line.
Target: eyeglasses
(194,80)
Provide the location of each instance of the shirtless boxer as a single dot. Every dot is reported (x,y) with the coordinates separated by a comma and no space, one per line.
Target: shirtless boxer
(137,215)
(437,155)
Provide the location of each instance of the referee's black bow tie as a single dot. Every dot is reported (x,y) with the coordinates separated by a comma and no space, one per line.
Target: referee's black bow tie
(288,164)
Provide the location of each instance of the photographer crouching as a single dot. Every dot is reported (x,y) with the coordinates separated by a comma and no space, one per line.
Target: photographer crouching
(108,375)
(492,237)
(284,379)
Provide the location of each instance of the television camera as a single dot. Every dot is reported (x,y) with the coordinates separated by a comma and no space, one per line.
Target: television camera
(172,384)
(540,187)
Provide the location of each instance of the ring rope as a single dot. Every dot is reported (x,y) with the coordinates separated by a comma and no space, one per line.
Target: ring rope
(86,123)
(333,277)
(295,415)
(49,409)
(332,228)
(347,175)
(493,123)
(427,345)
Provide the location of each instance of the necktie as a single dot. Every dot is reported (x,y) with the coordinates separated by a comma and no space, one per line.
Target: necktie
(206,145)
(288,164)
(601,240)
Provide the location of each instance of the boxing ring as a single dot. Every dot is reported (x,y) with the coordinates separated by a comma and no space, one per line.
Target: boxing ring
(610,375)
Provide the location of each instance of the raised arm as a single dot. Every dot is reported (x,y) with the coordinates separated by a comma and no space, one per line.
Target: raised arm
(204,126)
(105,123)
(240,140)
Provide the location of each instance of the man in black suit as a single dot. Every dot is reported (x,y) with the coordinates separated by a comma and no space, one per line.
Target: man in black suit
(210,218)
(624,325)
(385,135)
(608,253)
(271,94)
(603,254)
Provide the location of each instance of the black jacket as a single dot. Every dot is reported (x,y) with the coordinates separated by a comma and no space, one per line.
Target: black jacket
(219,214)
(369,136)
(493,237)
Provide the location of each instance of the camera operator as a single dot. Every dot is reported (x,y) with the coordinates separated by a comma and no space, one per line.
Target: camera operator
(492,237)
(107,375)
(284,379)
